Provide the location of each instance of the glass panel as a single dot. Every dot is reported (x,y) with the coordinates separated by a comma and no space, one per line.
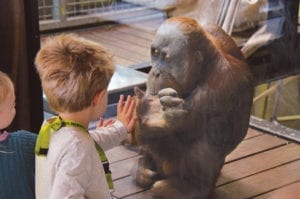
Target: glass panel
(265,30)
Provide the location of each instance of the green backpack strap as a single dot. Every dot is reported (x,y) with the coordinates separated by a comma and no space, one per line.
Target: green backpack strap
(43,139)
(53,125)
(105,164)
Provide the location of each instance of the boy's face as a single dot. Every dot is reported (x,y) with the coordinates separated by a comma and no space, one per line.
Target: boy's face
(7,110)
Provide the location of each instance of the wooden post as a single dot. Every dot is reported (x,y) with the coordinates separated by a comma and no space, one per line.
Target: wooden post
(19,39)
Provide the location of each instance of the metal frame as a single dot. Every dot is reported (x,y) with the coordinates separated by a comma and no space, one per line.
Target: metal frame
(275,129)
(227,14)
(62,14)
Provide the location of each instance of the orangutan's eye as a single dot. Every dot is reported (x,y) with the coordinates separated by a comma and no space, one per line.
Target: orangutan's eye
(155,51)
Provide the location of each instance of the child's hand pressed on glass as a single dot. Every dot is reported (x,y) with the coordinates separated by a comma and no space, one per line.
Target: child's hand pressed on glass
(125,112)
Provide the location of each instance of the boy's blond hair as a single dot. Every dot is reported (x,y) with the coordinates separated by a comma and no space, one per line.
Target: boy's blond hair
(6,86)
(72,71)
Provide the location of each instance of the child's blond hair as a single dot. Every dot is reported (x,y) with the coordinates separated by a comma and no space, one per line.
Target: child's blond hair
(6,86)
(72,71)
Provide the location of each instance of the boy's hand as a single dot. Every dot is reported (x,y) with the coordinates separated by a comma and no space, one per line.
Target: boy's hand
(125,113)
(106,123)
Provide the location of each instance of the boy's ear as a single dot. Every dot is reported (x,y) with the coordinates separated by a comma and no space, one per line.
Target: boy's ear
(98,97)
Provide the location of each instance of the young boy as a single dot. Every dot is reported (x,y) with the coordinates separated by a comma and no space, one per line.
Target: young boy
(16,149)
(70,161)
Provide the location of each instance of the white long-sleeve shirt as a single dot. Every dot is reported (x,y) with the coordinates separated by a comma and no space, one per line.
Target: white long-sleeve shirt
(72,168)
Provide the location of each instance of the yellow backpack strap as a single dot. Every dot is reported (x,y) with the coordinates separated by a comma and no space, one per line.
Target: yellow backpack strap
(43,139)
(53,125)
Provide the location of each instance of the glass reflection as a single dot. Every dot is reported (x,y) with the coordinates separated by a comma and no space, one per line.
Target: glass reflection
(265,30)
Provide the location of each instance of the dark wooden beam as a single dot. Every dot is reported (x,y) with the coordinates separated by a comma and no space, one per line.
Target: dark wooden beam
(19,39)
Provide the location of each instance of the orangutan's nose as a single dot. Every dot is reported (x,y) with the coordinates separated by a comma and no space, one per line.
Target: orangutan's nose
(156,72)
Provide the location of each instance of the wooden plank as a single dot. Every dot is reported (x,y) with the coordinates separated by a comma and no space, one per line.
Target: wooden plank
(128,42)
(116,47)
(125,28)
(260,183)
(129,47)
(120,153)
(254,164)
(122,159)
(120,40)
(138,32)
(122,169)
(141,14)
(122,61)
(141,195)
(291,191)
(122,28)
(130,38)
(117,55)
(125,187)
(254,145)
(252,133)
(275,154)
(284,174)
(149,25)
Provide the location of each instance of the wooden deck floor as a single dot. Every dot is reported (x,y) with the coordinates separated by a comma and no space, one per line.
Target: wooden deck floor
(261,165)
(129,45)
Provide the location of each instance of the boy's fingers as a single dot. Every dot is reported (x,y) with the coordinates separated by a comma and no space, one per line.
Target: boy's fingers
(120,103)
(100,123)
(127,103)
(131,124)
(109,122)
(131,109)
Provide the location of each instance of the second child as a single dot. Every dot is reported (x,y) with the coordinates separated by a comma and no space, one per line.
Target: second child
(16,149)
